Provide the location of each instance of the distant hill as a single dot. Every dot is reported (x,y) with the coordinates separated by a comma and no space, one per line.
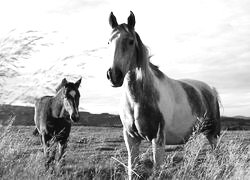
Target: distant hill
(235,123)
(25,115)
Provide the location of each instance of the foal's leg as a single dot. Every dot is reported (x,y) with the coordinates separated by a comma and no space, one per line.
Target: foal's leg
(132,144)
(52,152)
(45,149)
(61,146)
(45,144)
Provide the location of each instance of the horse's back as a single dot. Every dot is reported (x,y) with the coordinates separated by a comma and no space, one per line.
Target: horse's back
(42,110)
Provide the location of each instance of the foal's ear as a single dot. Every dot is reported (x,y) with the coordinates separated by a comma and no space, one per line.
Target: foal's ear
(64,81)
(112,20)
(131,20)
(77,83)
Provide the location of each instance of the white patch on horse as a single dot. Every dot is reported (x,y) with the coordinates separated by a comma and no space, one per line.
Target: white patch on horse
(178,117)
(138,74)
(72,93)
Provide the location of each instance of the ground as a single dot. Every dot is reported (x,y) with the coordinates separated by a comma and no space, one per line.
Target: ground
(100,153)
(96,150)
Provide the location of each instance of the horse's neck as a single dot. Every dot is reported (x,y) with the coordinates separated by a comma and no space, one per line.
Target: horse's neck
(57,105)
(140,82)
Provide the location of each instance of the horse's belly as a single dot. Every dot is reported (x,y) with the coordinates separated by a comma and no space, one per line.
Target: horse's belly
(179,128)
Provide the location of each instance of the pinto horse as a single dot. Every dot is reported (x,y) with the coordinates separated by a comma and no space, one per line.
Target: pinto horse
(155,107)
(53,116)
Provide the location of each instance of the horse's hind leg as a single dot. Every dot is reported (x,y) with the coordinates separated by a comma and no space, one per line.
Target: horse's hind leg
(212,139)
(213,133)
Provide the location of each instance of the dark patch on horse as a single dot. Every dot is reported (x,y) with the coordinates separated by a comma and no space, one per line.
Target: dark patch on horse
(209,101)
(206,107)
(150,118)
(212,120)
(59,128)
(218,121)
(156,71)
(194,99)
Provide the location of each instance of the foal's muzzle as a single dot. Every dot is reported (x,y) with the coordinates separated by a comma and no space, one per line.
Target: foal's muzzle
(75,118)
(115,77)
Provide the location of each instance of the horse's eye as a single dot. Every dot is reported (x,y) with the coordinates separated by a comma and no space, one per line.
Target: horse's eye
(131,42)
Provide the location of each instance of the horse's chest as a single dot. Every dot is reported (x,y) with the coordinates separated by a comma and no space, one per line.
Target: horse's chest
(141,115)
(142,120)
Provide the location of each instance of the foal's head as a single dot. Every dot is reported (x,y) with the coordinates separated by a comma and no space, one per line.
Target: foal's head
(127,48)
(71,96)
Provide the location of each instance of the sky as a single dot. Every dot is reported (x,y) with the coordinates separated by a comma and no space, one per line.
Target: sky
(208,40)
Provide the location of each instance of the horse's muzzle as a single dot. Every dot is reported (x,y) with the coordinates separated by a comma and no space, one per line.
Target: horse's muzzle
(115,77)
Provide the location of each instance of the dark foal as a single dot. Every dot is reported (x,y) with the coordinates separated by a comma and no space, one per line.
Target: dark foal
(53,116)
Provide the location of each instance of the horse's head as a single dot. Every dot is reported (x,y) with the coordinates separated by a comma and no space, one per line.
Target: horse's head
(71,96)
(125,47)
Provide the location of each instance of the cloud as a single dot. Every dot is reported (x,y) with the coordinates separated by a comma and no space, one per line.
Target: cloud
(205,40)
(73,6)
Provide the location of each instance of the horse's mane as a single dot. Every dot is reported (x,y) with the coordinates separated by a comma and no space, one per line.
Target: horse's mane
(143,57)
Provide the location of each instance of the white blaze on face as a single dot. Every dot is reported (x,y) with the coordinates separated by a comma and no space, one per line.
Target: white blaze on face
(72,93)
(112,45)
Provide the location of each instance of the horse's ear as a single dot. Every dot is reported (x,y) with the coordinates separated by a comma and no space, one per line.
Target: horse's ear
(77,83)
(131,20)
(112,20)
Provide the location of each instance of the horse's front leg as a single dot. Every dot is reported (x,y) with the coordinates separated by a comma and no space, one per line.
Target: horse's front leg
(158,145)
(132,144)
(158,153)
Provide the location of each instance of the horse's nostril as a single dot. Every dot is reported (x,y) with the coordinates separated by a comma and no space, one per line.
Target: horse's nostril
(109,74)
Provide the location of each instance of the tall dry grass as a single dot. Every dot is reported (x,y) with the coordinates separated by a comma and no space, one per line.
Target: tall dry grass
(22,158)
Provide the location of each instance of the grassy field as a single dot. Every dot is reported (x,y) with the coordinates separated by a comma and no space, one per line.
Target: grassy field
(100,153)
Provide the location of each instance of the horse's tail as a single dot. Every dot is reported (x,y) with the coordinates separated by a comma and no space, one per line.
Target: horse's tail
(35,132)
(217,103)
